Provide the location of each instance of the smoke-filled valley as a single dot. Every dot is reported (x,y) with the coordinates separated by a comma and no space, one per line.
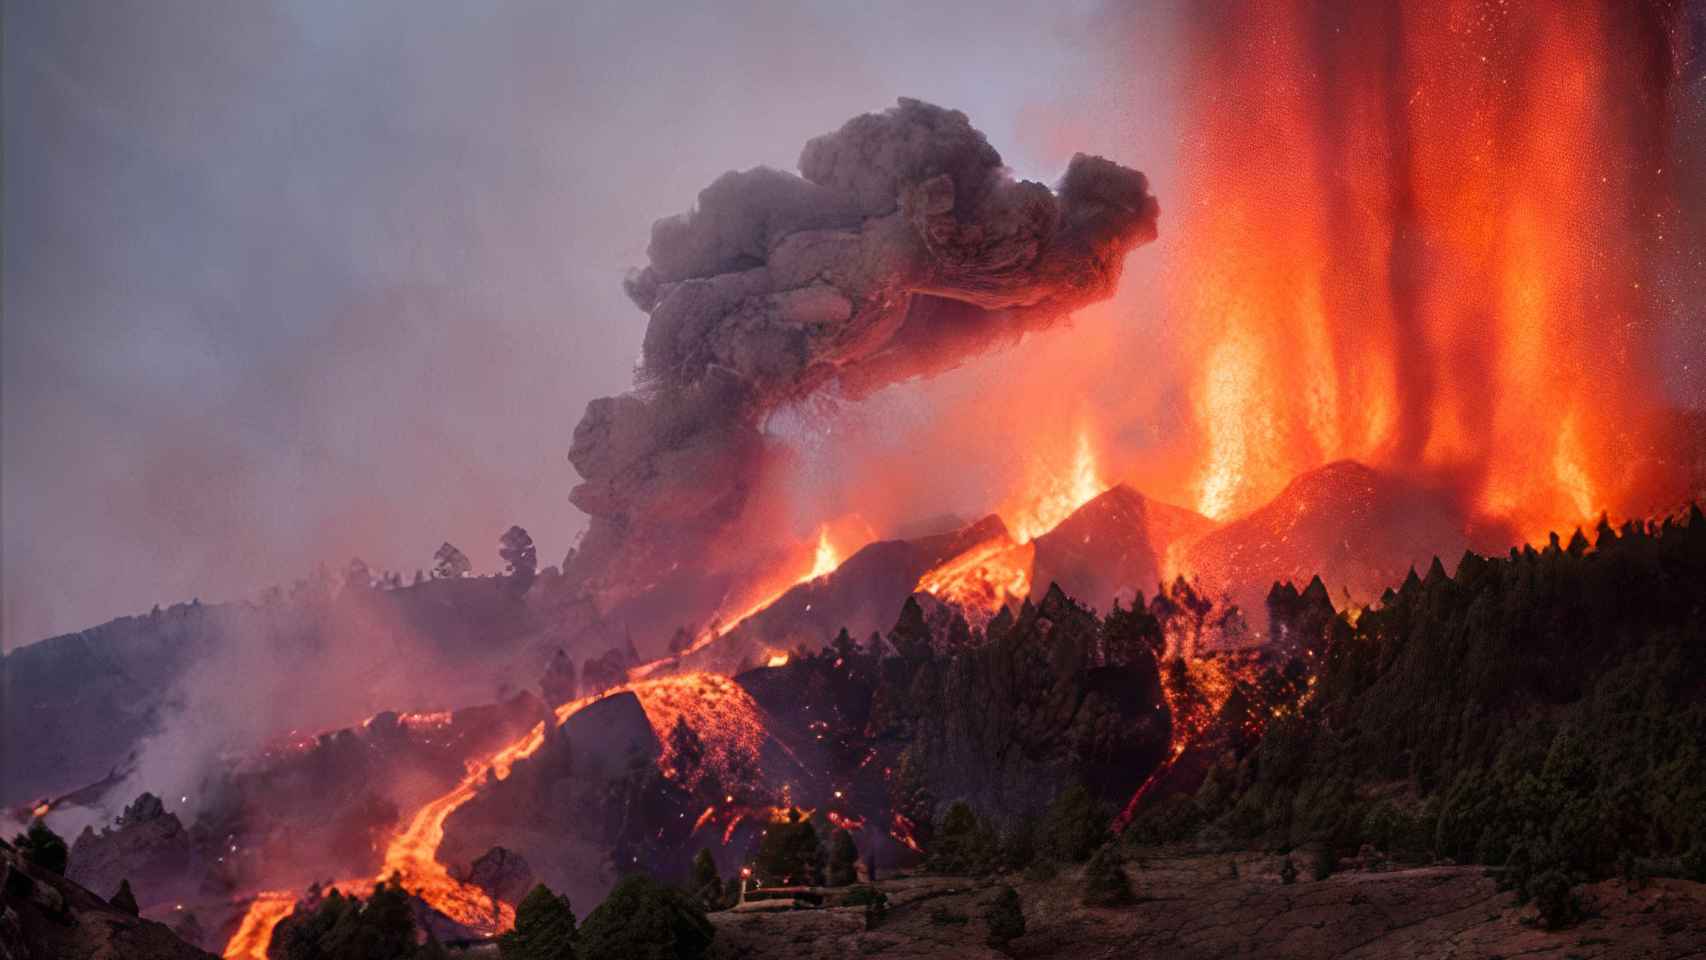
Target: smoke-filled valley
(1309,562)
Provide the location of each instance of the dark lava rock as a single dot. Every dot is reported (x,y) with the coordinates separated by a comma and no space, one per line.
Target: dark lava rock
(502,873)
(150,847)
(47,917)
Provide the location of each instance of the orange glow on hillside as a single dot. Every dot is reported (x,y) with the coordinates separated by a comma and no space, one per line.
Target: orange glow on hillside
(825,557)
(989,575)
(725,717)
(983,579)
(412,853)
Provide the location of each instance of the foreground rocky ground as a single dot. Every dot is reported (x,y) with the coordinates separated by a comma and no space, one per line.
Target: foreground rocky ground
(1234,905)
(44,916)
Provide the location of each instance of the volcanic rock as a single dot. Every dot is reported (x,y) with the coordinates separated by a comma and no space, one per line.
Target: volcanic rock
(1113,547)
(861,595)
(48,917)
(1358,528)
(150,848)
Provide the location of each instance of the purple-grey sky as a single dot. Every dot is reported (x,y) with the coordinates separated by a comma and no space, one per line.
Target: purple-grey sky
(295,282)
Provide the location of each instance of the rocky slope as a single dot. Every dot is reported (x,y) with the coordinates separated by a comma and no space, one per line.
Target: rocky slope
(1194,905)
(44,916)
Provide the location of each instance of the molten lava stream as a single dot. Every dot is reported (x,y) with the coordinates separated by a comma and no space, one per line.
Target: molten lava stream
(412,856)
(413,853)
(985,577)
(719,710)
(825,558)
(254,934)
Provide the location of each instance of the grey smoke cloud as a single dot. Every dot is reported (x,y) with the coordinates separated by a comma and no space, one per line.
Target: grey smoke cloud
(902,248)
(293,283)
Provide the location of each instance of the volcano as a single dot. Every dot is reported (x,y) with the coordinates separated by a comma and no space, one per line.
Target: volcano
(1359,529)
(1115,546)
(861,595)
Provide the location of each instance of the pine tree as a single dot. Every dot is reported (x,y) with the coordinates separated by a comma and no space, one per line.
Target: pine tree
(642,919)
(962,844)
(790,852)
(1005,918)
(706,882)
(520,557)
(544,928)
(124,900)
(449,563)
(843,859)
(43,847)
(1074,826)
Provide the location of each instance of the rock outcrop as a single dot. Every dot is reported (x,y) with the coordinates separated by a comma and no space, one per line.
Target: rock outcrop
(44,916)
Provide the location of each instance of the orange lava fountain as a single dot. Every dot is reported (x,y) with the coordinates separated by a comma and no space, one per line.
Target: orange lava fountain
(1415,236)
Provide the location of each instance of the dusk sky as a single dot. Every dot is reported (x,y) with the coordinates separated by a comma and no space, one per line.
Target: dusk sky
(292,284)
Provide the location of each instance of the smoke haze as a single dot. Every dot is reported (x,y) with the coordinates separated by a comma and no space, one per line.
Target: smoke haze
(286,286)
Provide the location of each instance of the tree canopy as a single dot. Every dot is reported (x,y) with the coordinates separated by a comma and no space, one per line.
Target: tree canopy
(644,920)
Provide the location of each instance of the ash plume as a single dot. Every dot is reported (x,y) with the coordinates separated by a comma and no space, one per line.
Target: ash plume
(902,248)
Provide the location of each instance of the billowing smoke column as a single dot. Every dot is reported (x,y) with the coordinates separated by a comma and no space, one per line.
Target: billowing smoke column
(902,248)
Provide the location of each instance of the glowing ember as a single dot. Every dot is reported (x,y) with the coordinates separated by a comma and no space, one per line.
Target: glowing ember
(902,830)
(777,660)
(724,716)
(849,824)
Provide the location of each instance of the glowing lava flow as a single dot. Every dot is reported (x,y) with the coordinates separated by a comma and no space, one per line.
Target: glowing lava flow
(254,934)
(412,854)
(983,579)
(825,558)
(718,710)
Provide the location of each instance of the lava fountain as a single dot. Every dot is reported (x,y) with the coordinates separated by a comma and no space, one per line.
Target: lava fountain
(1416,235)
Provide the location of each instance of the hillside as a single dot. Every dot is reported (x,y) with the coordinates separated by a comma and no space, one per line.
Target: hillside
(44,916)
